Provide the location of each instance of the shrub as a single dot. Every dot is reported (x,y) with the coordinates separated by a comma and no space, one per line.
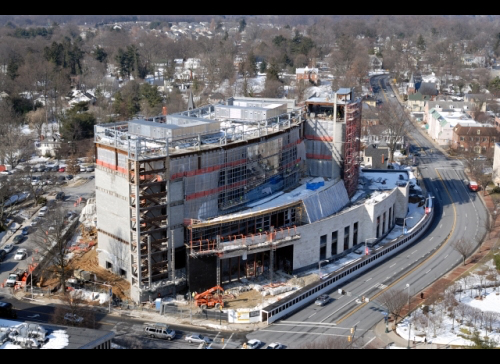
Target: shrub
(496,189)
(496,258)
(41,201)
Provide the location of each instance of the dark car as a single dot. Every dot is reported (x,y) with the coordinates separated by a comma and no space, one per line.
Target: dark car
(18,239)
(69,177)
(26,230)
(322,300)
(3,253)
(60,196)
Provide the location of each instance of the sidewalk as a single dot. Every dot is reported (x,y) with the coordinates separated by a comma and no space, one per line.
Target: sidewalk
(489,243)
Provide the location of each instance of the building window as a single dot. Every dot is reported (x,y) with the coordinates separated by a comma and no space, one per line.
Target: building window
(462,139)
(355,234)
(485,139)
(346,238)
(378,227)
(390,217)
(322,240)
(383,225)
(123,273)
(334,242)
(109,265)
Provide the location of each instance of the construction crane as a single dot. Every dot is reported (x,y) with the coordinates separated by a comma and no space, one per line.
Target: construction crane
(207,299)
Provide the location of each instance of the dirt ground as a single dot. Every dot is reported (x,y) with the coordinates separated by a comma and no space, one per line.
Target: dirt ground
(88,261)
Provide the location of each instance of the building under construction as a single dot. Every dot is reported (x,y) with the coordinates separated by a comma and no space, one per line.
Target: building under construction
(226,191)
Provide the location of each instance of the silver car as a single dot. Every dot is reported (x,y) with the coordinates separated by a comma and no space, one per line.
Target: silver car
(198,339)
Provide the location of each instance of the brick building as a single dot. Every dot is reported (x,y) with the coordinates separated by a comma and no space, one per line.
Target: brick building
(479,139)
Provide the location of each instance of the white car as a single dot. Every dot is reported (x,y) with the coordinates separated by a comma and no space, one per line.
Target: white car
(8,248)
(21,254)
(275,346)
(71,317)
(252,344)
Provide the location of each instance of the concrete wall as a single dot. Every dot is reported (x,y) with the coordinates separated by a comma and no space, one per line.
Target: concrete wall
(113,218)
(306,251)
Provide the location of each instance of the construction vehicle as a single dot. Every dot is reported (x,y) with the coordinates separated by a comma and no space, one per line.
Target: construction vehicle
(208,299)
(15,277)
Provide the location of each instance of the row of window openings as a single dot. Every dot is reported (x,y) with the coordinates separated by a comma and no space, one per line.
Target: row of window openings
(462,139)
(355,234)
(334,279)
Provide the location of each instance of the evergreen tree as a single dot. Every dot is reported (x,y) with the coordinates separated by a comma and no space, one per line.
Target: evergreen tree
(421,43)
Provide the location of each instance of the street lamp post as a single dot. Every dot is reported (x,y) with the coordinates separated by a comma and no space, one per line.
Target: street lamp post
(409,322)
(404,223)
(366,245)
(319,266)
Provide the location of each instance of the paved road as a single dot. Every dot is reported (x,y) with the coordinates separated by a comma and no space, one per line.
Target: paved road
(458,214)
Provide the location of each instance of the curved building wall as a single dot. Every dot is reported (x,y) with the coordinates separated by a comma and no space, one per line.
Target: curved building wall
(350,228)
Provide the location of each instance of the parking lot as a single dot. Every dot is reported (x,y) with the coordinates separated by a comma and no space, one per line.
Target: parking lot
(23,215)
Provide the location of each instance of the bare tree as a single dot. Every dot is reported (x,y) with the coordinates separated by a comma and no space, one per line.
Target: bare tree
(49,237)
(451,303)
(73,312)
(464,247)
(491,318)
(395,123)
(394,301)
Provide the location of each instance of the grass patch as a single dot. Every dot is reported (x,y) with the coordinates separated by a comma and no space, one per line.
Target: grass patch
(463,330)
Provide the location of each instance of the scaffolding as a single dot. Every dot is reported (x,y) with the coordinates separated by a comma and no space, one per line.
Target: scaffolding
(352,146)
(148,200)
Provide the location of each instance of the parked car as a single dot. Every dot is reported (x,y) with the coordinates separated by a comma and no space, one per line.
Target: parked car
(69,177)
(62,169)
(322,300)
(71,317)
(253,344)
(8,248)
(18,239)
(3,253)
(43,211)
(26,230)
(90,169)
(83,168)
(21,254)
(198,339)
(160,331)
(60,195)
(275,346)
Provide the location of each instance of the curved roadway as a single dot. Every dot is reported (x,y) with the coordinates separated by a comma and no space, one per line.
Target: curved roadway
(458,214)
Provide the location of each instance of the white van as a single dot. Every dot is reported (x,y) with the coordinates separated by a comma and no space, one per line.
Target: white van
(43,211)
(159,331)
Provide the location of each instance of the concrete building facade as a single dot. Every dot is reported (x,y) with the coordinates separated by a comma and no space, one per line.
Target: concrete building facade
(234,190)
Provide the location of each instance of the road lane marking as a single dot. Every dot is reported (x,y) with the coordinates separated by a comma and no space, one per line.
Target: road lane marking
(227,341)
(431,239)
(369,279)
(392,265)
(312,315)
(440,226)
(303,332)
(428,271)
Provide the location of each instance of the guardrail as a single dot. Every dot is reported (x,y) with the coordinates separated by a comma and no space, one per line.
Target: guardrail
(310,292)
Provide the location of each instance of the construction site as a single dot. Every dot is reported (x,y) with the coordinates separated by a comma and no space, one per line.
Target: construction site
(237,191)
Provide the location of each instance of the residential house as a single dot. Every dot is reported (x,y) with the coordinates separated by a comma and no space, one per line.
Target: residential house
(441,118)
(496,164)
(376,156)
(309,74)
(416,102)
(474,60)
(47,146)
(479,138)
(479,101)
(375,62)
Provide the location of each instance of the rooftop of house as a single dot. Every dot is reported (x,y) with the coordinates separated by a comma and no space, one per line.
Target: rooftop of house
(62,337)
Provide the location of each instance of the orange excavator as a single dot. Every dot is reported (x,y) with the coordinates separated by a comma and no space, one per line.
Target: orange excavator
(210,298)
